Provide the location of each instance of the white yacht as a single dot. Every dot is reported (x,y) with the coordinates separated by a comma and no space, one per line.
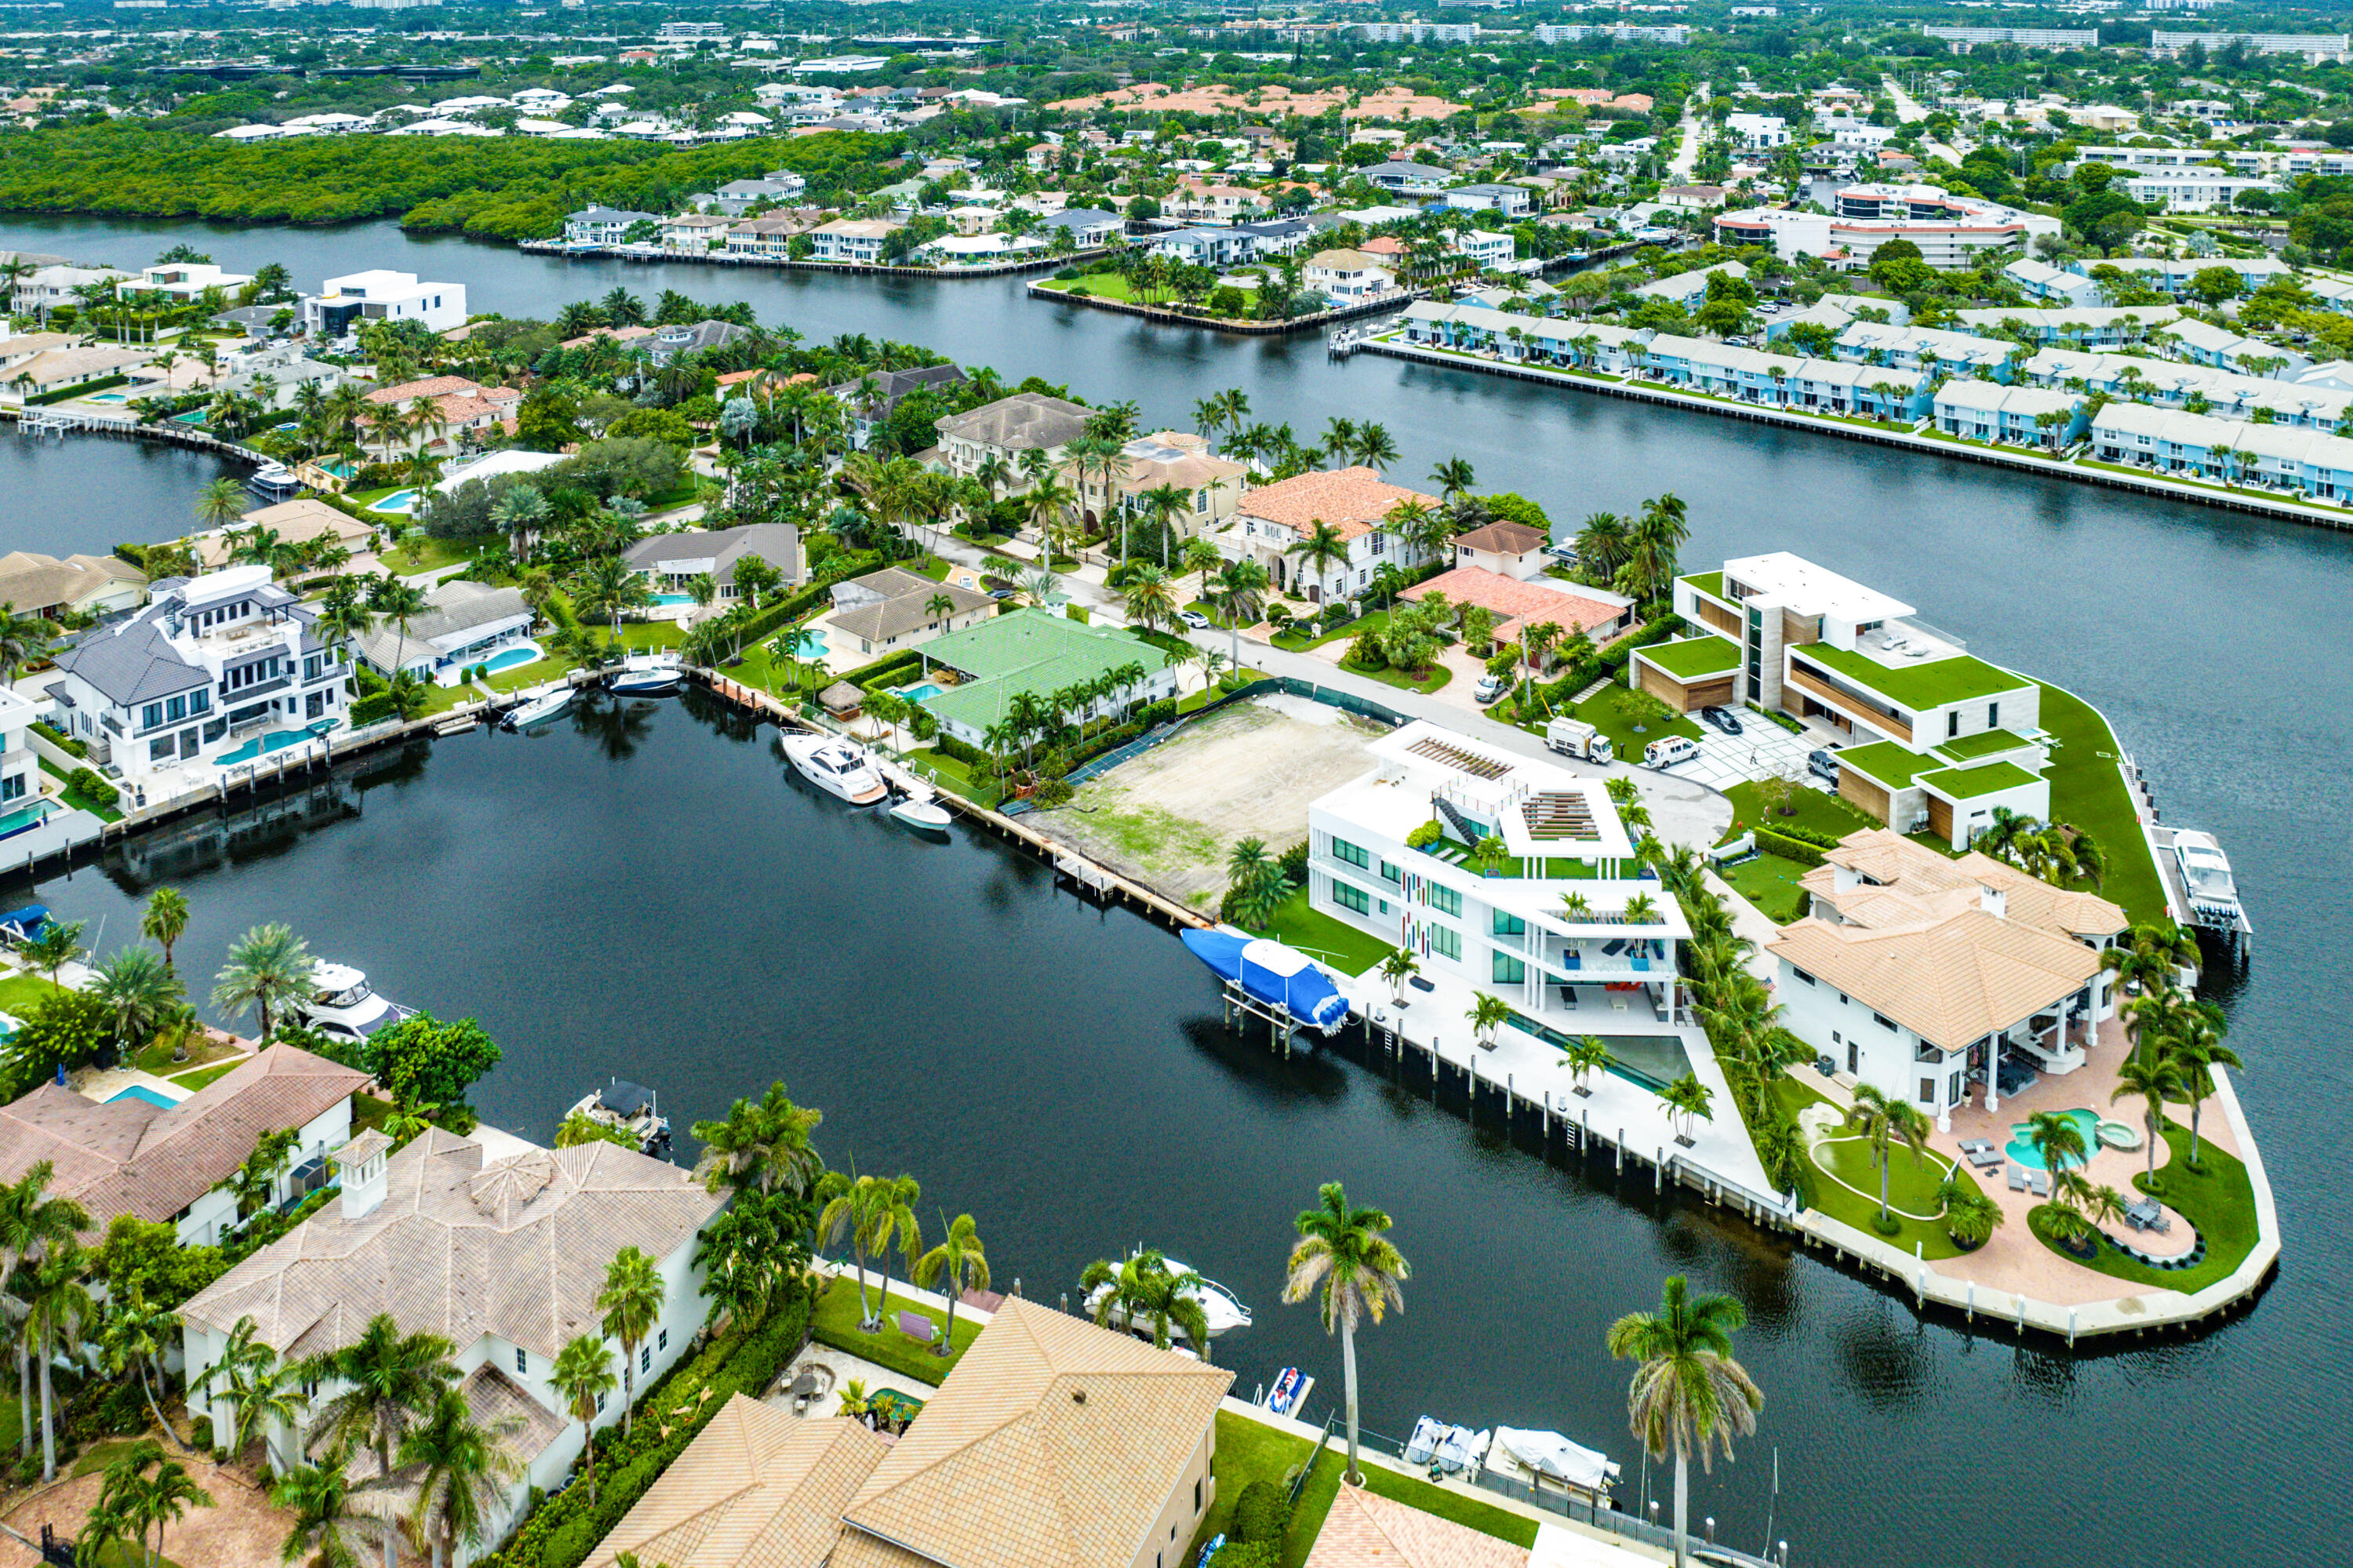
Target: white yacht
(1220,1308)
(539,707)
(646,675)
(838,767)
(630,1107)
(343,1004)
(2206,876)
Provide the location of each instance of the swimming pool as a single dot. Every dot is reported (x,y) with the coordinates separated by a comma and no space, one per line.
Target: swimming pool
(507,658)
(194,417)
(811,645)
(923,693)
(263,745)
(24,819)
(106,397)
(673,598)
(2088,1122)
(398,501)
(142,1092)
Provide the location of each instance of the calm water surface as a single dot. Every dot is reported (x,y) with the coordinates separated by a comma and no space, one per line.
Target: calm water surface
(682,914)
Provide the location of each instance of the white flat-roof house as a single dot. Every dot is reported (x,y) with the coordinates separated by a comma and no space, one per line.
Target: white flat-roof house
(502,1257)
(1932,978)
(1607,965)
(20,770)
(183,280)
(210,667)
(341,303)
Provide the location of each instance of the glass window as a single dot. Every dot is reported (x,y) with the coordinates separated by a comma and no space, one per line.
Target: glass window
(200,701)
(523,1360)
(1507,970)
(1353,853)
(1447,941)
(1508,924)
(1445,899)
(1392,873)
(1348,898)
(150,715)
(177,709)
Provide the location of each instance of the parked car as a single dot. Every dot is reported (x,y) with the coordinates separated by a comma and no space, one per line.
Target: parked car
(1722,718)
(1823,765)
(1194,618)
(1669,750)
(1490,687)
(1001,594)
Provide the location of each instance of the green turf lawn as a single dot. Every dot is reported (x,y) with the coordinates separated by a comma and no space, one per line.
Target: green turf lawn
(1610,712)
(835,1323)
(1770,883)
(19,995)
(2088,791)
(1812,809)
(1439,675)
(203,1076)
(2219,1200)
(1321,937)
(1447,1502)
(1252,1451)
(431,554)
(1907,1187)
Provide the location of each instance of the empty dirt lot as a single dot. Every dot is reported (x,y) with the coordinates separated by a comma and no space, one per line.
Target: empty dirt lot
(1169,817)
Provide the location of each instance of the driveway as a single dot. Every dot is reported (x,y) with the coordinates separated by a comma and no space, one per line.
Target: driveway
(1761,749)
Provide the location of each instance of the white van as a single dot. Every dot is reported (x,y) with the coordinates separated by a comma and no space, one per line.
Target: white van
(1669,750)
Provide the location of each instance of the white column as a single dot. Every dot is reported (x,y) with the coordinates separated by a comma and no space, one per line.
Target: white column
(1993,1065)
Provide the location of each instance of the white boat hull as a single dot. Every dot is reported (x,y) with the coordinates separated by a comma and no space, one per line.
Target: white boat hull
(539,710)
(1221,1311)
(838,767)
(923,816)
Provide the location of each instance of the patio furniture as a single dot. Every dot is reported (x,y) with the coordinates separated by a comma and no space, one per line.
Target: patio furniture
(2039,1183)
(1984,1156)
(2017,1179)
(918,1328)
(1613,946)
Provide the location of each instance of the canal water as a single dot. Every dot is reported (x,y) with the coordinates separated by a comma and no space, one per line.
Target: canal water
(656,898)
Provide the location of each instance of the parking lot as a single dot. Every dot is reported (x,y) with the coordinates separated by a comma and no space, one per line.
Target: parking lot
(1761,749)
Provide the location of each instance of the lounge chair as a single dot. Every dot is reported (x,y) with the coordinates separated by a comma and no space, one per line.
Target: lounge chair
(2017,1179)
(918,1328)
(1985,1156)
(2039,1183)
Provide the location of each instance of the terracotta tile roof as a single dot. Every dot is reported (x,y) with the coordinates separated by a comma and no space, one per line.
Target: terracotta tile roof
(1951,981)
(128,1156)
(516,1248)
(431,386)
(758,1488)
(1918,884)
(1514,602)
(1365,1529)
(1354,500)
(1054,1443)
(1503,540)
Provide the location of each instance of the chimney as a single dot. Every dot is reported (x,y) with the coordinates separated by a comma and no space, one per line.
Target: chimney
(361,1164)
(1992,900)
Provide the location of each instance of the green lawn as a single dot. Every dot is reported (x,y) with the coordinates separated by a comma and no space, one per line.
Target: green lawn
(1252,1451)
(203,1076)
(1770,883)
(1320,935)
(835,1323)
(2219,1200)
(1612,711)
(958,777)
(19,995)
(1297,641)
(1931,683)
(1815,811)
(1439,675)
(1907,1187)
(431,554)
(2088,791)
(79,800)
(157,1058)
(1463,1508)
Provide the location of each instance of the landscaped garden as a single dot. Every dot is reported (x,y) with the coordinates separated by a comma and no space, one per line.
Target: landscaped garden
(2219,1200)
(1911,1186)
(1320,935)
(1770,883)
(835,1322)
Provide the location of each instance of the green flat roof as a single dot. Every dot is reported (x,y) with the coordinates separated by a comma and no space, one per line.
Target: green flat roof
(1694,656)
(1968,783)
(1028,651)
(1988,742)
(1884,762)
(1930,684)
(1709,583)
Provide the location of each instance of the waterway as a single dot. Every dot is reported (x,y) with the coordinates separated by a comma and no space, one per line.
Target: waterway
(682,914)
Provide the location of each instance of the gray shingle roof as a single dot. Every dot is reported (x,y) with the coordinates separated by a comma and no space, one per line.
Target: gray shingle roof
(130,661)
(458,605)
(1018,423)
(778,543)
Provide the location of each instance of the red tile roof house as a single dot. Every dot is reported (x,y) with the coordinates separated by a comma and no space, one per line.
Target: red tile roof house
(1531,603)
(1355,501)
(130,1156)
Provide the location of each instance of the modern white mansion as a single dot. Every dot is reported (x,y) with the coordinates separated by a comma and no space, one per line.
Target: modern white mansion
(1607,965)
(216,668)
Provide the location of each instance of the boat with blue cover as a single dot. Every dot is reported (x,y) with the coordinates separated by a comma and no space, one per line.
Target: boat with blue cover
(1273,973)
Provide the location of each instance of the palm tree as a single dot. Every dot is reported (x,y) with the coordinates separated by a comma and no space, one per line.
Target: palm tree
(1585,1054)
(1374,447)
(463,1467)
(1151,598)
(165,919)
(1396,969)
(1487,1014)
(220,502)
(1603,545)
(582,1377)
(32,1225)
(57,1310)
(2150,954)
(2055,1136)
(133,1338)
(1242,600)
(2154,1078)
(1255,883)
(23,637)
(849,1204)
(264,1392)
(607,586)
(267,967)
(1344,1258)
(1689,1098)
(1884,1121)
(764,1145)
(1652,545)
(58,945)
(2197,1049)
(1687,1392)
(139,989)
(1970,1217)
(632,1301)
(166,1499)
(1143,1291)
(388,1380)
(318,1497)
(958,1263)
(399,603)
(1454,476)
(1319,550)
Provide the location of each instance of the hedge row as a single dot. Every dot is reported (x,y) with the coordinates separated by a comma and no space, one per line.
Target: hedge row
(78,389)
(1773,841)
(561,1531)
(58,739)
(1806,836)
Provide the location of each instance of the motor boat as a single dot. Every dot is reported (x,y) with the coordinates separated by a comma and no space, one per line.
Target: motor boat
(1535,1458)
(1221,1310)
(632,1107)
(2206,877)
(1290,1391)
(274,479)
(1272,973)
(839,767)
(343,1005)
(539,707)
(921,810)
(646,675)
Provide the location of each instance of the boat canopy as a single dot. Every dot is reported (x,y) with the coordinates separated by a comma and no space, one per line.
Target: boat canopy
(625,1099)
(26,923)
(1550,1453)
(1273,973)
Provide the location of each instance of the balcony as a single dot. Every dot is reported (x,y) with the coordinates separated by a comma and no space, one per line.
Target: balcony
(1822,691)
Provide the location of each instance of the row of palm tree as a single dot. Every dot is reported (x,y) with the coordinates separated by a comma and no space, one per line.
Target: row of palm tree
(1637,556)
